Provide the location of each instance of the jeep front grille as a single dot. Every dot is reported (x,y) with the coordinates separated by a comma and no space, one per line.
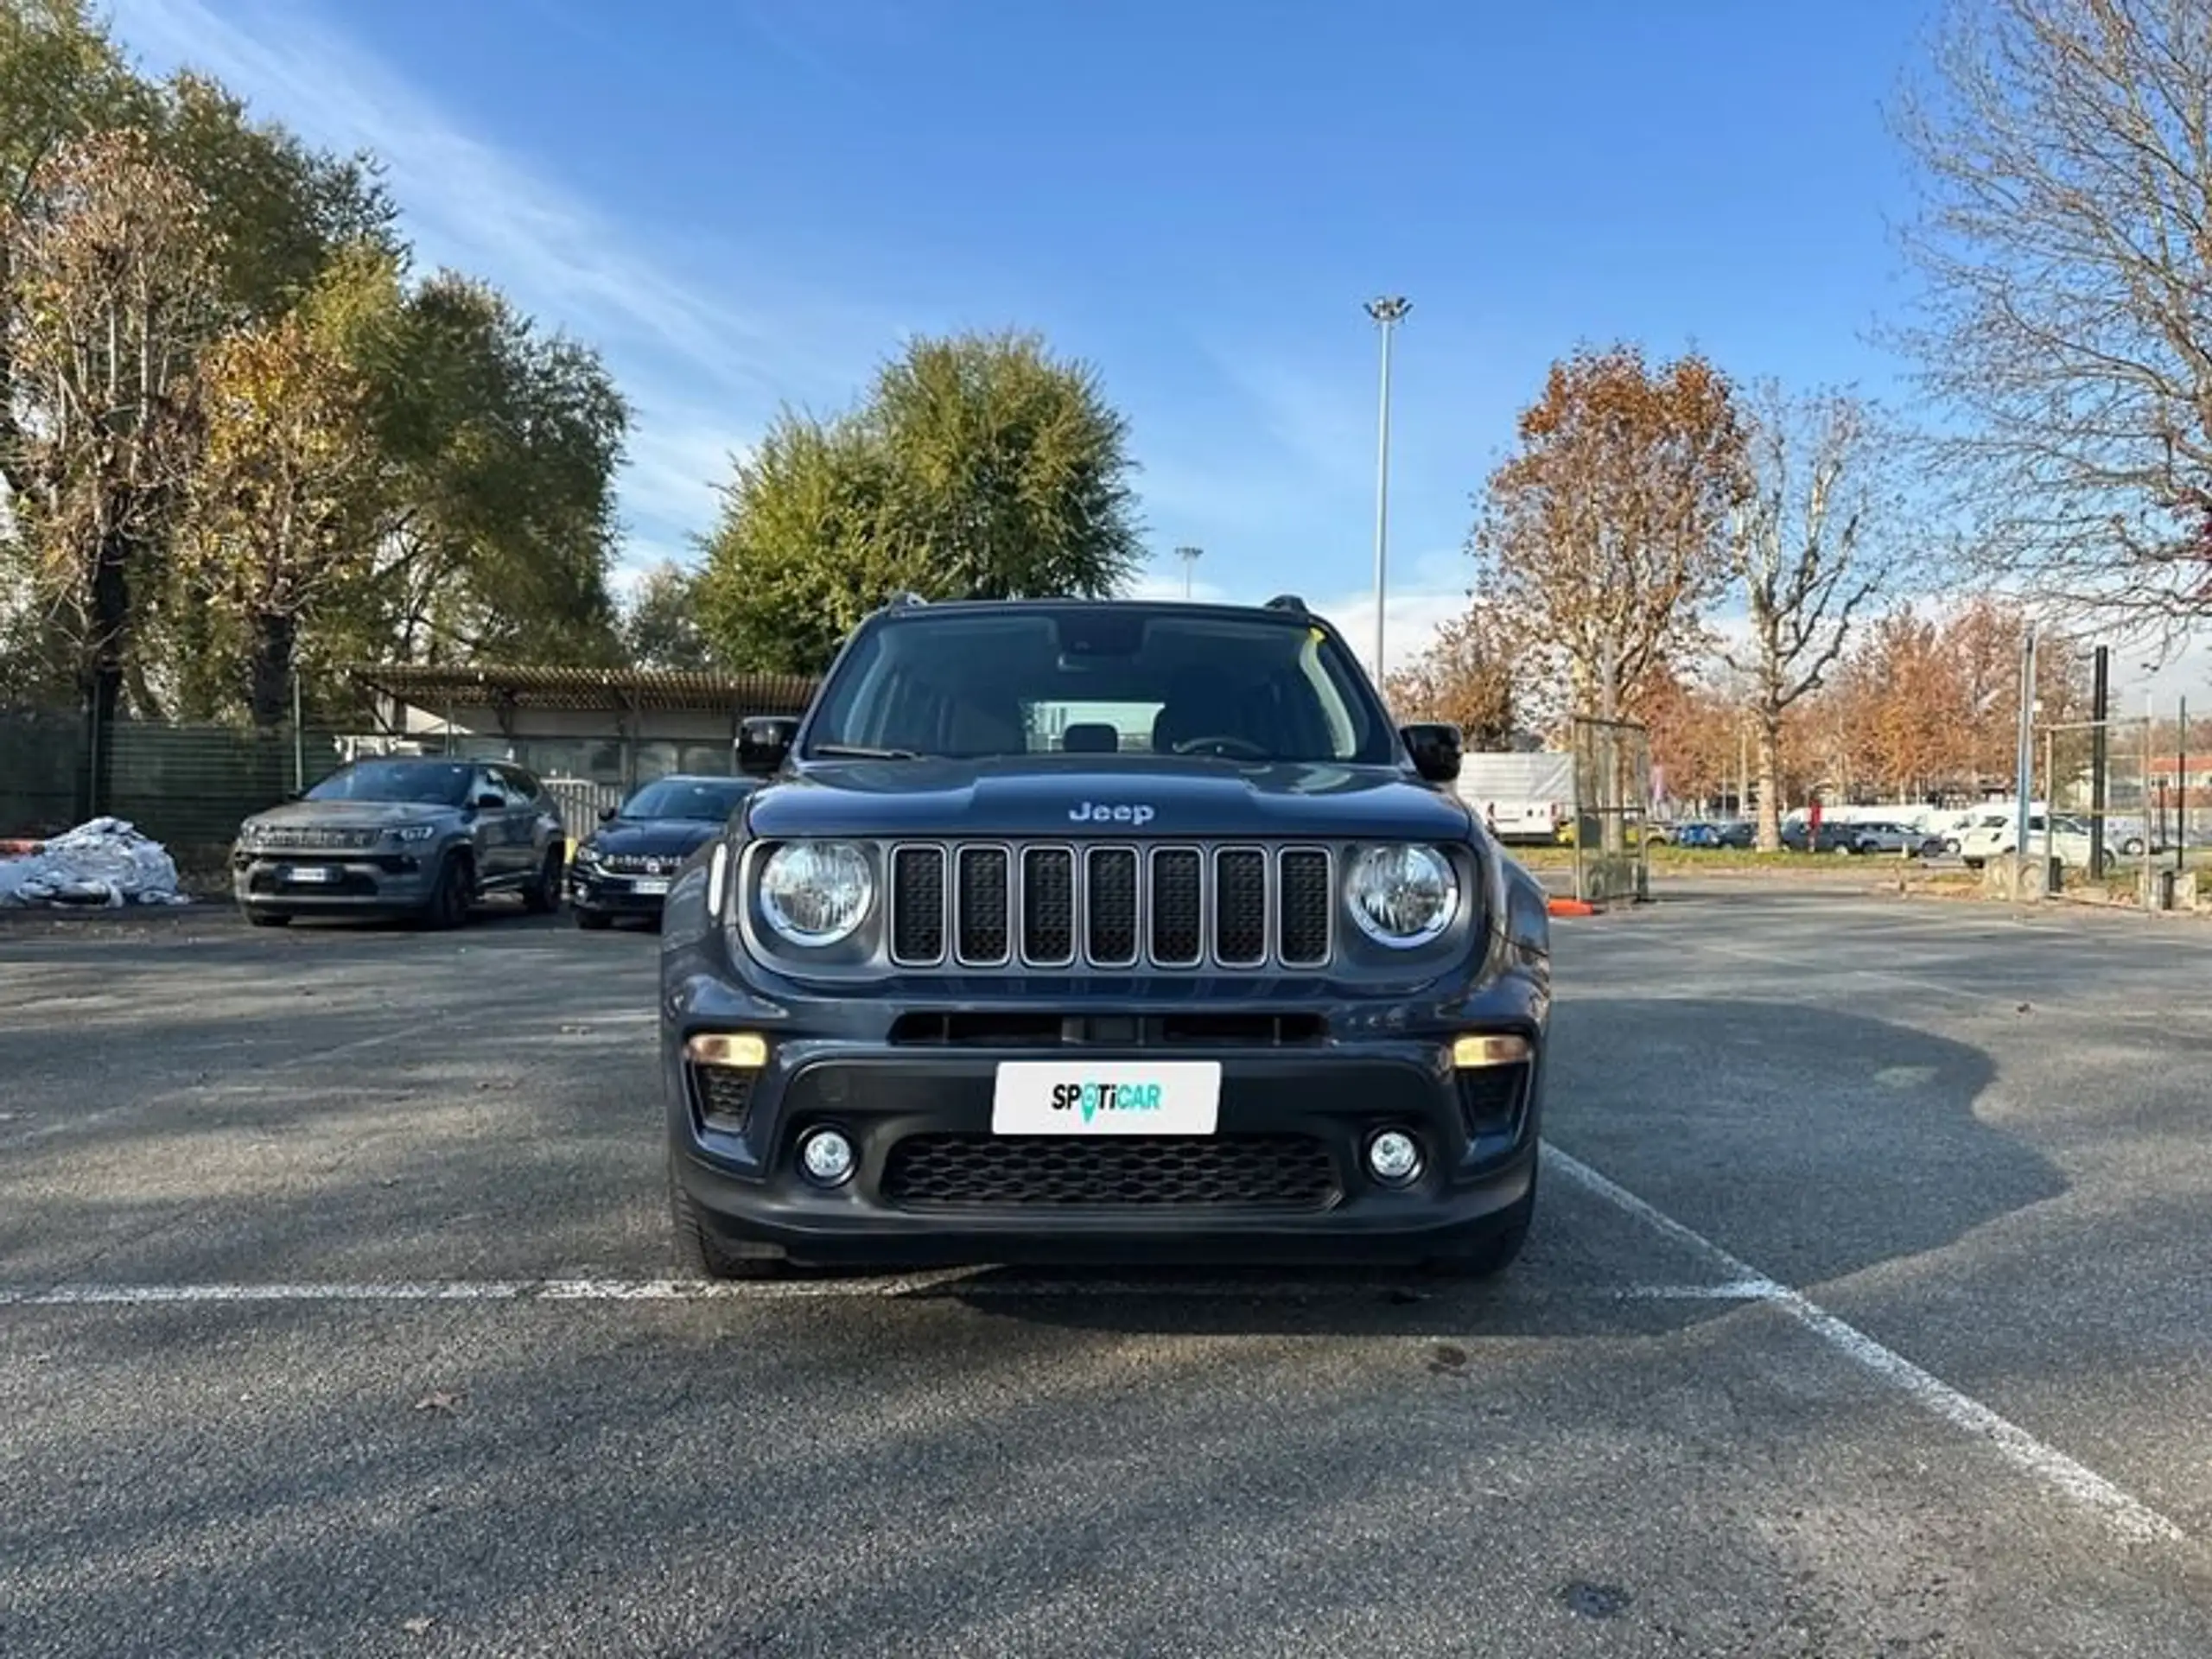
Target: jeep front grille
(1110,907)
(316,837)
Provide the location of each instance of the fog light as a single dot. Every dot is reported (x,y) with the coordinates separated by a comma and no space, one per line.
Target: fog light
(727,1048)
(826,1156)
(1393,1158)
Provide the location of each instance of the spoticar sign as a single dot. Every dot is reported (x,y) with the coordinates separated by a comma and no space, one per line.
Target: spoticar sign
(1091,1098)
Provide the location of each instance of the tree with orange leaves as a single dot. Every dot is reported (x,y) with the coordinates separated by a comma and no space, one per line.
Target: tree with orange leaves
(1604,535)
(1466,676)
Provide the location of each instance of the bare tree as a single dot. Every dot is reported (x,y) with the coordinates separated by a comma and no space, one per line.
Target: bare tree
(1603,535)
(2065,152)
(1810,545)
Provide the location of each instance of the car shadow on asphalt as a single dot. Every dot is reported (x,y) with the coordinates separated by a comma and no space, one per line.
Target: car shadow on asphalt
(1808,1142)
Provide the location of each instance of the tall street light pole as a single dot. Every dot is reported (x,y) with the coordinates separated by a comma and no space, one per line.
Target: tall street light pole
(1387,313)
(1190,557)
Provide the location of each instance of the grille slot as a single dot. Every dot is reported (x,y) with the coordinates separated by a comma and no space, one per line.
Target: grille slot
(1240,906)
(1178,907)
(1048,907)
(918,905)
(1250,1172)
(1112,912)
(983,934)
(1302,921)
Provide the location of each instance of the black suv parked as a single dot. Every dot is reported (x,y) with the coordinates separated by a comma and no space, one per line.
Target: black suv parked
(1077,930)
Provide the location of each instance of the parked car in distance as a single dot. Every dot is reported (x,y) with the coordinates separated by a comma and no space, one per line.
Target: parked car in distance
(424,836)
(1712,833)
(1996,834)
(624,867)
(1895,838)
(1833,838)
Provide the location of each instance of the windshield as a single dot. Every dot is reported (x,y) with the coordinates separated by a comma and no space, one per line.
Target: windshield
(1100,681)
(427,783)
(710,799)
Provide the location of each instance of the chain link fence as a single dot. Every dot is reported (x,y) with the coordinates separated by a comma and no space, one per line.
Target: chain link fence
(1612,791)
(186,785)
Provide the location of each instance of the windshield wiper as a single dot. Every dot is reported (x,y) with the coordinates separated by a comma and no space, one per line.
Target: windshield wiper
(863,752)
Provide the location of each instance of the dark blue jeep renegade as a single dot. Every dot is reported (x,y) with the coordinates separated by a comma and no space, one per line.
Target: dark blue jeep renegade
(1066,930)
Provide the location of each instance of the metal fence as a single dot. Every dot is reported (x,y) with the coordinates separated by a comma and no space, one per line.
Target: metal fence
(186,785)
(1612,791)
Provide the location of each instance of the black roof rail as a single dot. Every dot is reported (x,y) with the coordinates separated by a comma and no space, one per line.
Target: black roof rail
(1289,602)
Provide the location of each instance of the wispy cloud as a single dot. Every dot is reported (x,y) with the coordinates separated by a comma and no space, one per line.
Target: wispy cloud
(1324,425)
(677,346)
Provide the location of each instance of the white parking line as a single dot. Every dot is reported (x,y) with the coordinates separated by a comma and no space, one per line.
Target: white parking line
(2128,1514)
(959,1281)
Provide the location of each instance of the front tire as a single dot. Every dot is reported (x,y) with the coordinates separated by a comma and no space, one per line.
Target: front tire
(543,896)
(451,898)
(701,1255)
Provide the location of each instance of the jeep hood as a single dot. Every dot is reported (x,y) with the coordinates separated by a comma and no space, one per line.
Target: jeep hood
(1082,799)
(653,838)
(352,815)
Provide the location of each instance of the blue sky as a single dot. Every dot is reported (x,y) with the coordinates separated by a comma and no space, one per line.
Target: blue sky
(748,202)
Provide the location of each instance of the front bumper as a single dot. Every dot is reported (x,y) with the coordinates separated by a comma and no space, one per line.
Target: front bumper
(332,882)
(600,893)
(1282,1178)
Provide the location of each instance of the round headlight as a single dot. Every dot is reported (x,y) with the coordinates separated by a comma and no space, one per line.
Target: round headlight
(816,893)
(1403,896)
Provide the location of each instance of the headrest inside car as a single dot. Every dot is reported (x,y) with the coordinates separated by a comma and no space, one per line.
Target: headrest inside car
(1090,737)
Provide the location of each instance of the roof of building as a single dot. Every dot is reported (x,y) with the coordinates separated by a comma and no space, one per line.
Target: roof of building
(431,686)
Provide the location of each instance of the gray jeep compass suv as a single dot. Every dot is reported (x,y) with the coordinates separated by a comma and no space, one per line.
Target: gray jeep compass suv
(424,837)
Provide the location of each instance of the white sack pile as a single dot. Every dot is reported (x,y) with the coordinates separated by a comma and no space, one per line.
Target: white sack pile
(103,862)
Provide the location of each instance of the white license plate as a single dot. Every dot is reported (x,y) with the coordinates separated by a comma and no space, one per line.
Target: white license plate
(1111,1097)
(311,873)
(651,885)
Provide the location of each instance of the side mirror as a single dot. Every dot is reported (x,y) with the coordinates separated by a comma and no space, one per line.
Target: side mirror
(1434,746)
(490,802)
(764,741)
(606,814)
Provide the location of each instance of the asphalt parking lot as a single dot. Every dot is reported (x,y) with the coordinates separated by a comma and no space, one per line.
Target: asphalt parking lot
(1868,1312)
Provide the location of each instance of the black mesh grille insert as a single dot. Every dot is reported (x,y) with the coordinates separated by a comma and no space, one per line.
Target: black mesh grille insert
(985,916)
(1048,904)
(1259,1172)
(1176,918)
(1489,1096)
(1240,908)
(725,1096)
(1302,924)
(918,915)
(1112,914)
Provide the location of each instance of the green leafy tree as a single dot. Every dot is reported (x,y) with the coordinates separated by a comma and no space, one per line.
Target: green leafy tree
(506,443)
(978,466)
(291,485)
(660,629)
